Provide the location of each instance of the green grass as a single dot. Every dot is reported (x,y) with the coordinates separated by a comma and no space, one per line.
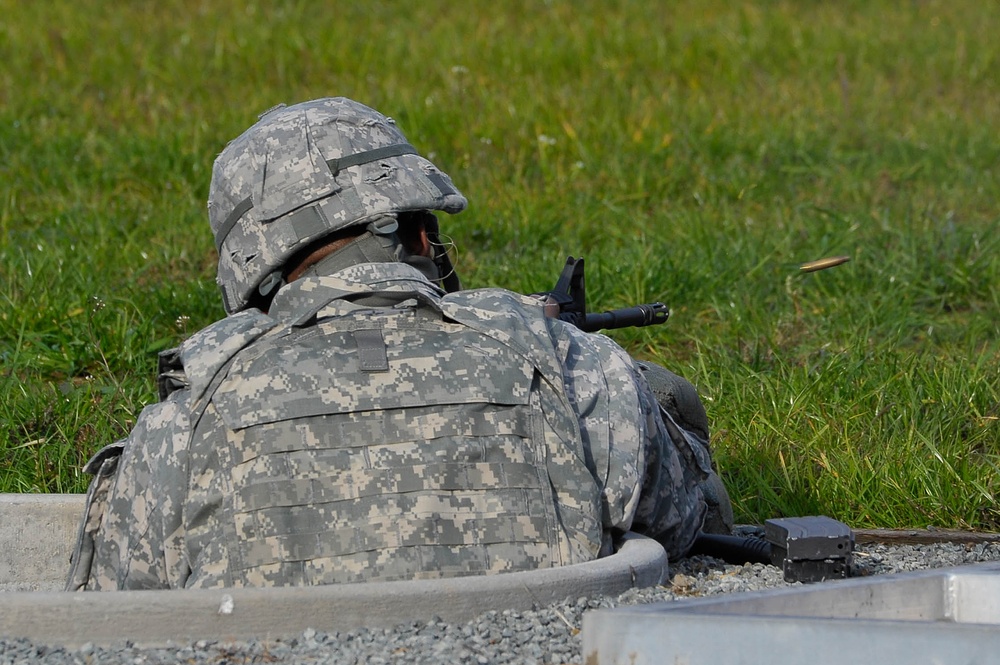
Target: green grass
(694,152)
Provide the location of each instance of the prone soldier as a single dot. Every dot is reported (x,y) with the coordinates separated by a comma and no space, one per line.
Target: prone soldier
(357,416)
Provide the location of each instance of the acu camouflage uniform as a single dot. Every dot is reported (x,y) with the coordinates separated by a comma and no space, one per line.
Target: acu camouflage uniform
(319,444)
(371,426)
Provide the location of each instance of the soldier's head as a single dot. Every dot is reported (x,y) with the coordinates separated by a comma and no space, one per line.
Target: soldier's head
(320,171)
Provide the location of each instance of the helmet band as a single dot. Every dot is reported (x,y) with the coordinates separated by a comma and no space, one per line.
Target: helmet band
(336,165)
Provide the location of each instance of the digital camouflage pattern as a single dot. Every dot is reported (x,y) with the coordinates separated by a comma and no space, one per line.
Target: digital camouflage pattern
(303,172)
(435,435)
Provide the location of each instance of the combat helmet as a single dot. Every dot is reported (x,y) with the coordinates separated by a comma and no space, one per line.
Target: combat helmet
(306,171)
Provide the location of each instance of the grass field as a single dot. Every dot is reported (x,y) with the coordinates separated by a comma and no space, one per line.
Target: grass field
(694,152)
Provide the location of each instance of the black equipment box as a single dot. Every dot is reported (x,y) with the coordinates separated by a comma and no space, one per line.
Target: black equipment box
(810,549)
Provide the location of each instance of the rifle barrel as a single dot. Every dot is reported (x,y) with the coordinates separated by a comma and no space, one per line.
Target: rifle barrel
(639,315)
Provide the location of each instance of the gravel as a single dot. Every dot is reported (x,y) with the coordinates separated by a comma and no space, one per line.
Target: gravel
(548,635)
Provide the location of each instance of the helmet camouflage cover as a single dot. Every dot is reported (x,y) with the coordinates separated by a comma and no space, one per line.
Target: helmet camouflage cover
(303,172)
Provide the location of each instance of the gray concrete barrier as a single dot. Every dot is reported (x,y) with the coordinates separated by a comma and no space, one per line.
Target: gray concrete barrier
(34,551)
(949,615)
(37,532)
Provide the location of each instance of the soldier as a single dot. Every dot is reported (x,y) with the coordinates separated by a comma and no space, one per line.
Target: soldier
(358,417)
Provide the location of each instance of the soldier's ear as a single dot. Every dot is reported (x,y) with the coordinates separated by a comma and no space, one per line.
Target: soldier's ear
(413,234)
(423,243)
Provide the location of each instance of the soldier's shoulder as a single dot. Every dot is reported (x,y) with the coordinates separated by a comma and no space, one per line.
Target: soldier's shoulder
(227,331)
(494,304)
(194,363)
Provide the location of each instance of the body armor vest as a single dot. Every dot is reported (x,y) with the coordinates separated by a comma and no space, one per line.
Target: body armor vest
(381,443)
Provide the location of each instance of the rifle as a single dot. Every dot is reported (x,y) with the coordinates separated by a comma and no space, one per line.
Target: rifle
(807,549)
(570,294)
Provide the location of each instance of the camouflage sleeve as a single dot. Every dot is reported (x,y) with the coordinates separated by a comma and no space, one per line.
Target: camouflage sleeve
(138,544)
(643,462)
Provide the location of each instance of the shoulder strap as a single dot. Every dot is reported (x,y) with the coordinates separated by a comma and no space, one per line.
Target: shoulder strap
(343,302)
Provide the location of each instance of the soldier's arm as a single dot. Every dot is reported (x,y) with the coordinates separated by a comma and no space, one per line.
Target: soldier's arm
(599,382)
(130,536)
(644,463)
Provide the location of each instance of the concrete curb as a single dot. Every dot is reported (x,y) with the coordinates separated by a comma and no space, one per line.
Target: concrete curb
(37,533)
(152,618)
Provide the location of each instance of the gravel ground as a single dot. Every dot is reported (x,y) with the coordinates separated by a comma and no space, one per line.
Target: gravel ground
(546,636)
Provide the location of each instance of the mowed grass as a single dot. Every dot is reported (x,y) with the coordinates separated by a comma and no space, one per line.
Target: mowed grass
(693,152)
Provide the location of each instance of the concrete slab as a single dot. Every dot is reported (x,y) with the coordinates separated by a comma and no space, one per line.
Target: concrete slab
(152,618)
(936,616)
(37,533)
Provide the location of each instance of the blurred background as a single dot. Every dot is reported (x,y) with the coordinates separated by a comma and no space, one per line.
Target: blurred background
(694,152)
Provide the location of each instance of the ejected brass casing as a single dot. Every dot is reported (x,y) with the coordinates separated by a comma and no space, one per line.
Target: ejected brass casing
(823,264)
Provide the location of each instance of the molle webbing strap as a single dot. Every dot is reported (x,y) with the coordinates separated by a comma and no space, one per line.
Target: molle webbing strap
(368,156)
(242,208)
(372,356)
(335,165)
